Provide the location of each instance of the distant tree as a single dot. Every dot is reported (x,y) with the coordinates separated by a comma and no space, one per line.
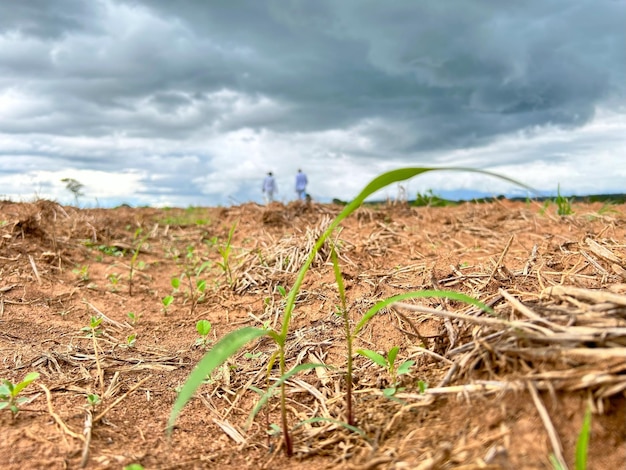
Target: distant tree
(74,187)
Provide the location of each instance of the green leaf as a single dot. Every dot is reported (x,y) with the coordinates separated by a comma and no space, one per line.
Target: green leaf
(167,300)
(418,294)
(201,285)
(405,367)
(582,445)
(202,267)
(392,354)
(203,327)
(223,349)
(281,290)
(374,357)
(6,389)
(339,279)
(175,282)
(30,377)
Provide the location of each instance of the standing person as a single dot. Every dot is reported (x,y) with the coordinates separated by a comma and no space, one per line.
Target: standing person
(301,182)
(269,187)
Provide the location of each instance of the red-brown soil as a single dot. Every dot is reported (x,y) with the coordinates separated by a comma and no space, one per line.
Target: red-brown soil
(555,344)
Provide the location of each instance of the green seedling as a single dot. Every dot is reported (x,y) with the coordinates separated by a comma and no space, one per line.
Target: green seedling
(253,356)
(166,302)
(224,251)
(9,393)
(582,446)
(131,339)
(82,273)
(111,250)
(563,204)
(343,313)
(114,280)
(138,242)
(389,364)
(230,344)
(429,199)
(608,208)
(93,331)
(422,386)
(93,400)
(195,287)
(132,318)
(203,327)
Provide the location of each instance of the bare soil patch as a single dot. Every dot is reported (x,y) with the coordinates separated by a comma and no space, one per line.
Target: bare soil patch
(556,344)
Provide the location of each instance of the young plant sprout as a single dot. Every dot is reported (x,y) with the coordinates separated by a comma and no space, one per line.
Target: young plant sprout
(389,364)
(166,302)
(224,251)
(132,317)
(131,339)
(82,273)
(195,287)
(230,344)
(93,400)
(138,242)
(203,327)
(563,204)
(10,393)
(114,280)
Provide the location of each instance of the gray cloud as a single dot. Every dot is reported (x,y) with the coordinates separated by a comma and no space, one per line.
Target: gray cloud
(406,80)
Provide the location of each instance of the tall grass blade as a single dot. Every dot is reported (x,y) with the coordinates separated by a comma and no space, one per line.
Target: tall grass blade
(442,294)
(346,326)
(376,184)
(223,349)
(582,445)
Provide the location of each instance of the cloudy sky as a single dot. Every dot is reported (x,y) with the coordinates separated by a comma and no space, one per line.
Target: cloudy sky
(156,102)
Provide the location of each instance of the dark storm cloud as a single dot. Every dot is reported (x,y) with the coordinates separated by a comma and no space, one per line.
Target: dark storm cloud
(461,72)
(47,19)
(401,80)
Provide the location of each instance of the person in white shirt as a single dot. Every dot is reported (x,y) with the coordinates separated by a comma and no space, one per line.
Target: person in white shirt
(301,182)
(269,187)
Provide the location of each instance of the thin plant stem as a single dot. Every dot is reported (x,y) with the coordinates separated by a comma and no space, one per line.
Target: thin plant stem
(98,368)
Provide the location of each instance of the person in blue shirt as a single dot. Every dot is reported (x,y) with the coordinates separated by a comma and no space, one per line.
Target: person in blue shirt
(269,187)
(301,182)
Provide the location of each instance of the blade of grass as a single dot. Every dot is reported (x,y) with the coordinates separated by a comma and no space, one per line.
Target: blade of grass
(418,294)
(376,184)
(348,336)
(582,445)
(223,349)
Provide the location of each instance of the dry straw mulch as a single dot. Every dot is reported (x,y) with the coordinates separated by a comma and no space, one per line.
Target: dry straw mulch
(558,329)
